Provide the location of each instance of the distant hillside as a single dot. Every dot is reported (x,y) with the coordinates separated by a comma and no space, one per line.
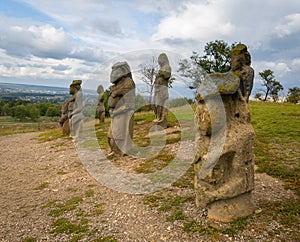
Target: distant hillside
(36,93)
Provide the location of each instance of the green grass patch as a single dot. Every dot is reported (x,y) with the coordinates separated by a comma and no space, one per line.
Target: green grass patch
(30,239)
(89,193)
(67,206)
(277,127)
(64,225)
(9,125)
(42,186)
(177,215)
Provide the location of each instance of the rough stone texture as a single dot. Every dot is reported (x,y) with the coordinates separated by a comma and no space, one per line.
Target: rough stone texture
(218,83)
(64,119)
(121,102)
(100,104)
(161,94)
(240,65)
(224,184)
(75,109)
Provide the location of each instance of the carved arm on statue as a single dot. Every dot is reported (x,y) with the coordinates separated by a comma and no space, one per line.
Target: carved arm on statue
(228,190)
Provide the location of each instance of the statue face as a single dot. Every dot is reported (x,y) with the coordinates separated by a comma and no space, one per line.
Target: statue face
(72,90)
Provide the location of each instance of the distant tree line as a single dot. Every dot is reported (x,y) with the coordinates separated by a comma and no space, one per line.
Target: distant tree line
(25,110)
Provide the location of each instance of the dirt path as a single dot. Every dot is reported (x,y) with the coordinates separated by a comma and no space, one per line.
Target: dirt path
(38,178)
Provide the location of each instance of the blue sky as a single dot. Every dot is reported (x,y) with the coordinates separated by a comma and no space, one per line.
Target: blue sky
(53,42)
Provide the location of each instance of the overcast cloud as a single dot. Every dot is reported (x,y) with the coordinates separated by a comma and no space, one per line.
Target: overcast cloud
(52,42)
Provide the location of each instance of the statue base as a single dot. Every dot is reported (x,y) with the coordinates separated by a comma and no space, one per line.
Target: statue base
(233,208)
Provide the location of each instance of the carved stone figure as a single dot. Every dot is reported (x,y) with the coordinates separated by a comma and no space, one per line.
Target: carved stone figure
(224,181)
(100,104)
(121,102)
(64,119)
(161,94)
(240,65)
(75,109)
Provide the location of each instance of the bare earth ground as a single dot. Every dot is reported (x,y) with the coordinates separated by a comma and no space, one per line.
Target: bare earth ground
(37,178)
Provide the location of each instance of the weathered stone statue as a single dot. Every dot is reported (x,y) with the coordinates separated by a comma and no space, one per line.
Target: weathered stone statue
(75,109)
(240,65)
(161,93)
(121,102)
(100,104)
(64,119)
(224,182)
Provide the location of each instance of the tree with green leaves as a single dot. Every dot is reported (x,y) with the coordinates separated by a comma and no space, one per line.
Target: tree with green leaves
(271,85)
(216,58)
(293,95)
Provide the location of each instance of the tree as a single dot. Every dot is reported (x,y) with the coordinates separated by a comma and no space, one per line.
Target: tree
(23,112)
(258,96)
(148,73)
(272,86)
(294,95)
(216,58)
(53,111)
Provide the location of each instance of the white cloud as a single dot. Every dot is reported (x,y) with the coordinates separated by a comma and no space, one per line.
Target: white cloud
(195,22)
(291,25)
(280,68)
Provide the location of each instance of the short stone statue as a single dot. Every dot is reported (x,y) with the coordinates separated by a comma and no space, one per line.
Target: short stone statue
(161,94)
(100,104)
(75,109)
(64,119)
(240,65)
(121,102)
(224,183)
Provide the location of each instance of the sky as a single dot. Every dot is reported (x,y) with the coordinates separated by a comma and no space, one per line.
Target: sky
(52,42)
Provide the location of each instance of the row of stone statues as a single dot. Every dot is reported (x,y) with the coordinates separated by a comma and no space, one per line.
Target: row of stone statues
(121,103)
(224,160)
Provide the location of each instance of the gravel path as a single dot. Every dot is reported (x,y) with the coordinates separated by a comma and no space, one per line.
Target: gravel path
(38,177)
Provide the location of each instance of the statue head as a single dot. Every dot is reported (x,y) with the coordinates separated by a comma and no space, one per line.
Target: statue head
(163,59)
(75,86)
(119,70)
(100,89)
(239,57)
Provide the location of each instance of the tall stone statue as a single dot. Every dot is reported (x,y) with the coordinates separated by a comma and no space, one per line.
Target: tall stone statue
(240,65)
(121,102)
(75,109)
(224,161)
(161,94)
(100,104)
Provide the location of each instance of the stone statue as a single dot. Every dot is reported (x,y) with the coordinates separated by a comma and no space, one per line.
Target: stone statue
(75,109)
(224,182)
(100,104)
(161,93)
(240,65)
(121,102)
(64,119)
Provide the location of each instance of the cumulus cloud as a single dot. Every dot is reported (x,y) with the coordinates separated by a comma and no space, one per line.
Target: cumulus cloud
(291,25)
(195,22)
(42,41)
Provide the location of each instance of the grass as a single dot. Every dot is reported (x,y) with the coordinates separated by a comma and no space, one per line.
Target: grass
(64,225)
(69,205)
(9,125)
(42,186)
(277,128)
